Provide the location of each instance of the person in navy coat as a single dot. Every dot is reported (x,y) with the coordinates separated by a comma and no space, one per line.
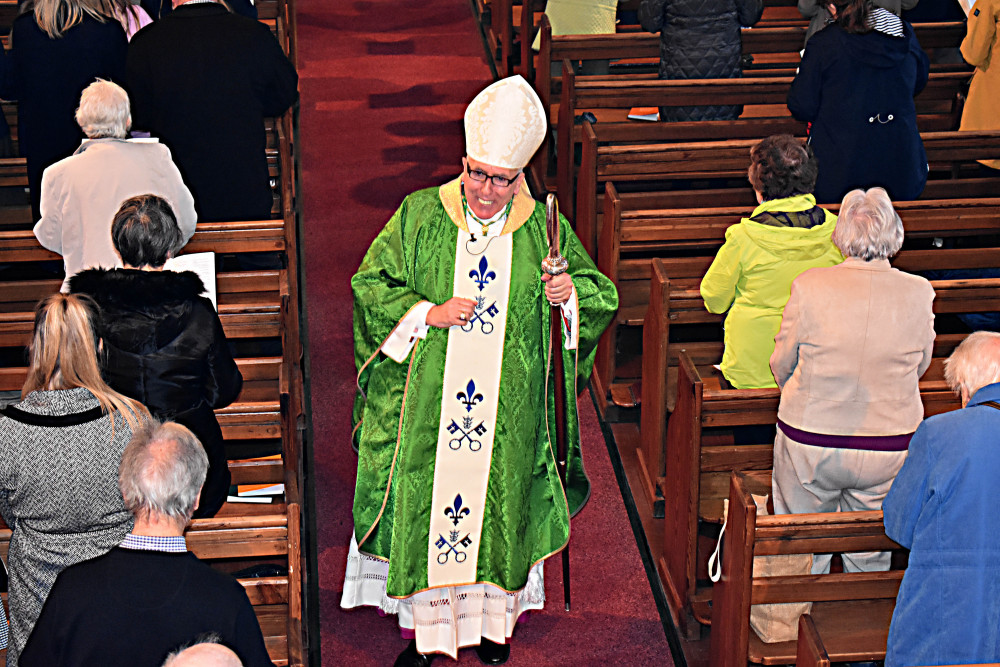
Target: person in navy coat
(50,65)
(856,85)
(942,507)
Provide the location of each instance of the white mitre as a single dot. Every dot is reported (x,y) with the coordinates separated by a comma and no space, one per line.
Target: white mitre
(505,124)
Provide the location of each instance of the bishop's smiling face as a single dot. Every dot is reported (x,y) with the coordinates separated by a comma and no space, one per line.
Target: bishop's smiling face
(485,198)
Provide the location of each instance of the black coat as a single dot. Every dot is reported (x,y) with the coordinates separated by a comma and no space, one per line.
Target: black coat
(164,347)
(131,607)
(699,39)
(203,80)
(157,9)
(857,90)
(49,75)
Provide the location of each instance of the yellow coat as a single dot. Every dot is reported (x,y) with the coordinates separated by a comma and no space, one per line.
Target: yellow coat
(580,17)
(751,277)
(981,49)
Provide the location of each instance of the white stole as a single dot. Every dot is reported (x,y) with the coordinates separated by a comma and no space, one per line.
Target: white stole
(469,410)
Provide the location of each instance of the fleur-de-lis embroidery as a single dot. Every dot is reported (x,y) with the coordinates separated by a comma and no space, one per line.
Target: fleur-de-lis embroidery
(469,397)
(456,513)
(483,275)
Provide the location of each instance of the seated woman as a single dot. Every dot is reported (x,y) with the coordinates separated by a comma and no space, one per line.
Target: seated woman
(854,341)
(751,275)
(856,85)
(163,342)
(60,447)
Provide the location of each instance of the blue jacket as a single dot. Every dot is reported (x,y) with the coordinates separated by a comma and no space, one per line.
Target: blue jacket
(857,91)
(942,506)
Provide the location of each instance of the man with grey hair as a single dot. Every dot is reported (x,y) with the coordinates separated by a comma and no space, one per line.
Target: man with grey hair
(149,595)
(80,194)
(942,507)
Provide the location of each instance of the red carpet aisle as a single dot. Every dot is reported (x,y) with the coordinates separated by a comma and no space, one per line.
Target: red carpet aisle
(384,86)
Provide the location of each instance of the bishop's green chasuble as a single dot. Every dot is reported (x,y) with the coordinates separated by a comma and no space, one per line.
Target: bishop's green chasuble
(497,506)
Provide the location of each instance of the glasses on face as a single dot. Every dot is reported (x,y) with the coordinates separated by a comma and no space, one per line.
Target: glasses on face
(482,177)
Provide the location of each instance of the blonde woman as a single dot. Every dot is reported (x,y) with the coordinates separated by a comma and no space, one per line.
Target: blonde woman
(58,47)
(60,447)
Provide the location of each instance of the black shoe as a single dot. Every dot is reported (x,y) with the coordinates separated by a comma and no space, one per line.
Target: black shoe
(411,658)
(491,653)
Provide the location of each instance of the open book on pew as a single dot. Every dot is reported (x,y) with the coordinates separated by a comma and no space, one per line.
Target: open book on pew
(202,263)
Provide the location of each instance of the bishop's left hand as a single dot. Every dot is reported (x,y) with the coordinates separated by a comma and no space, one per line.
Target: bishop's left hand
(557,288)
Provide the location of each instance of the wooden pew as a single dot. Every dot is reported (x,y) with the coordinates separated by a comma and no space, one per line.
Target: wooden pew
(786,41)
(663,386)
(851,611)
(774,47)
(21,246)
(809,649)
(700,453)
(777,13)
(268,537)
(811,652)
(274,536)
(251,303)
(762,98)
(648,166)
(15,210)
(775,51)
(256,413)
(630,237)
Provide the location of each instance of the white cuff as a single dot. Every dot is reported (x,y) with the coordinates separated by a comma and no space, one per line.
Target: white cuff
(413,326)
(571,321)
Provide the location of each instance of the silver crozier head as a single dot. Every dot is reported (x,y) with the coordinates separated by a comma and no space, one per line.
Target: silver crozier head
(554,263)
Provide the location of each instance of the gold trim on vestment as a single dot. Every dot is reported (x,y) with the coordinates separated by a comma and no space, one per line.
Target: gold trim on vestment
(399,435)
(451,198)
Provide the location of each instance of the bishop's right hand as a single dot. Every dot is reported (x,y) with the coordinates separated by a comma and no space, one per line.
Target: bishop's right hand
(456,311)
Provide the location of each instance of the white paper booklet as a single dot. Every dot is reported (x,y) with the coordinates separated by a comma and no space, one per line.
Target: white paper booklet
(202,263)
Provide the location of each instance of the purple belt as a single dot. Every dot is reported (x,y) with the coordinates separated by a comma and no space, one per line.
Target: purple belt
(874,443)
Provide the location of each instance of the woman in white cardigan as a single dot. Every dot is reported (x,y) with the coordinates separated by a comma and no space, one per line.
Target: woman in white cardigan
(854,340)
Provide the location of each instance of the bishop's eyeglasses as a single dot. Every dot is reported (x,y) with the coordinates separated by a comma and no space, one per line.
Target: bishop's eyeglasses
(482,176)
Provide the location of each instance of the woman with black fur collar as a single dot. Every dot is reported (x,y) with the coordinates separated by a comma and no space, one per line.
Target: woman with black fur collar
(163,343)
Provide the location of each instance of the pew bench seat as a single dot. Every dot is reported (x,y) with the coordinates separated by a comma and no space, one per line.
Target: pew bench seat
(255,415)
(851,611)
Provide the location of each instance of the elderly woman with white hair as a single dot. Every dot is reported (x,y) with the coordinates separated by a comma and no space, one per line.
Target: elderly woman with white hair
(854,341)
(82,193)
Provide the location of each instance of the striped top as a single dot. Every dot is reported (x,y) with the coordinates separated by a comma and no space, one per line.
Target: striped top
(884,21)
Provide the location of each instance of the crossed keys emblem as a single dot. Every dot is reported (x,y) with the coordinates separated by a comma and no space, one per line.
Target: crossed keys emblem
(452,546)
(478,316)
(466,434)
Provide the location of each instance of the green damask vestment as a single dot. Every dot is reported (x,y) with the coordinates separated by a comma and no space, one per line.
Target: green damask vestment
(526,512)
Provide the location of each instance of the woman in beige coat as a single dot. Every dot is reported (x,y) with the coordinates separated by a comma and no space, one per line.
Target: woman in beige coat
(854,340)
(981,49)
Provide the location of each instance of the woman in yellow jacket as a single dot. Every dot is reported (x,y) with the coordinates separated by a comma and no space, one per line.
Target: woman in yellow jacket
(753,272)
(981,49)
